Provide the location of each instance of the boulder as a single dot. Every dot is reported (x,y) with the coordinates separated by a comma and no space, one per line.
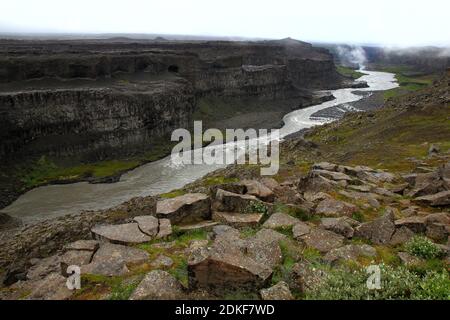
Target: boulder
(87,245)
(165,229)
(426,184)
(203,225)
(401,236)
(300,229)
(158,285)
(162,261)
(75,258)
(280,291)
(148,225)
(280,220)
(52,287)
(113,260)
(322,240)
(232,202)
(187,208)
(336,176)
(42,267)
(232,262)
(259,190)
(413,223)
(335,208)
(237,220)
(128,233)
(314,182)
(350,252)
(270,183)
(316,196)
(325,166)
(379,231)
(438,231)
(435,200)
(369,198)
(342,225)
(408,259)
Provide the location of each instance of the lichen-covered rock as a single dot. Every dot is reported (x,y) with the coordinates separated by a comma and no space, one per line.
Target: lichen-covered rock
(52,287)
(158,285)
(226,201)
(88,245)
(259,190)
(335,208)
(300,229)
(280,220)
(280,291)
(379,231)
(128,233)
(148,225)
(435,200)
(342,225)
(414,223)
(401,236)
(322,240)
(237,220)
(350,252)
(184,209)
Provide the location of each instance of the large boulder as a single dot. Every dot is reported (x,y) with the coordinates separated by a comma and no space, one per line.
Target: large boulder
(350,252)
(237,220)
(336,176)
(435,200)
(114,260)
(158,285)
(401,236)
(322,240)
(232,262)
(413,223)
(343,225)
(335,208)
(187,208)
(280,291)
(379,231)
(259,190)
(128,233)
(226,201)
(280,220)
(52,287)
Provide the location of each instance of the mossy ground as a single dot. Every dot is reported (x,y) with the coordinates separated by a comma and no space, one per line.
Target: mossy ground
(349,72)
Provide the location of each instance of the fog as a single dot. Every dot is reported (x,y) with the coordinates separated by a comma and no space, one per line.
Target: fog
(393,23)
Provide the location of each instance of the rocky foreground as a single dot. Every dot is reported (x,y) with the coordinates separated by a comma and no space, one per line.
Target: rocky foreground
(260,239)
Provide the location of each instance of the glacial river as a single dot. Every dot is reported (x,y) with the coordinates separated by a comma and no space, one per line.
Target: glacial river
(162,176)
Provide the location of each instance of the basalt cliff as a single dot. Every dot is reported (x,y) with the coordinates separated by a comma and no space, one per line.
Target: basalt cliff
(93,99)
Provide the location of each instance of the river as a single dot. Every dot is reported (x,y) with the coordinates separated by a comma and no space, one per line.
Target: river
(161,176)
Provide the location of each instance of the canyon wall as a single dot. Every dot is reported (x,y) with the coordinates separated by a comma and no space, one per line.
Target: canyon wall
(96,98)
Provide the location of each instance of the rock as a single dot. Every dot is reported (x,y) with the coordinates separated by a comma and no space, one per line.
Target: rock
(370,198)
(399,188)
(148,225)
(158,285)
(232,202)
(322,240)
(435,200)
(259,190)
(379,231)
(52,287)
(316,196)
(401,236)
(314,182)
(88,245)
(128,233)
(441,217)
(43,267)
(410,179)
(237,220)
(426,184)
(187,208)
(162,261)
(288,195)
(270,183)
(75,258)
(408,259)
(221,229)
(280,291)
(304,276)
(300,229)
(203,225)
(165,229)
(336,176)
(325,166)
(415,223)
(335,208)
(360,188)
(112,260)
(236,263)
(280,220)
(438,231)
(339,225)
(8,222)
(350,252)
(410,211)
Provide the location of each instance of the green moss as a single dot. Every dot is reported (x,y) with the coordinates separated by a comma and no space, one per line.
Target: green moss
(311,254)
(172,194)
(211,181)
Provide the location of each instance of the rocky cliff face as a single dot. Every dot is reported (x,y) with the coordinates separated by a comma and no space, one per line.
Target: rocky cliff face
(98,97)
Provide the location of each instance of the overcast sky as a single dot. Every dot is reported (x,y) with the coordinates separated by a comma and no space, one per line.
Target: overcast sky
(389,22)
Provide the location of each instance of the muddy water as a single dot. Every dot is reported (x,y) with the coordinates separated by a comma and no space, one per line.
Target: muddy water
(162,176)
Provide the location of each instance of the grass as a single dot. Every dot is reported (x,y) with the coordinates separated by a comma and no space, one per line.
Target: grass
(408,80)
(349,72)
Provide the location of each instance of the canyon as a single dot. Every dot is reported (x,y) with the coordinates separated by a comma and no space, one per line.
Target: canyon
(92,100)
